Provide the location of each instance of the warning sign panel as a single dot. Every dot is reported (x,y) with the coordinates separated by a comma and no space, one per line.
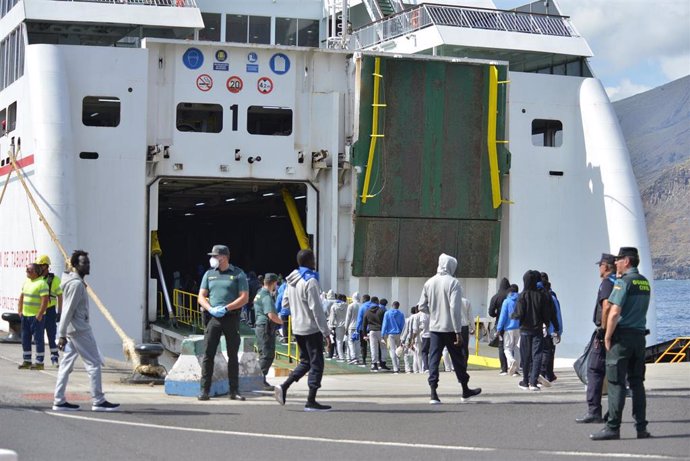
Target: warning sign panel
(204,82)
(234,84)
(264,85)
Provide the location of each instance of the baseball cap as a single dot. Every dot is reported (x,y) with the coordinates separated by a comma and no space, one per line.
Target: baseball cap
(627,251)
(606,258)
(219,250)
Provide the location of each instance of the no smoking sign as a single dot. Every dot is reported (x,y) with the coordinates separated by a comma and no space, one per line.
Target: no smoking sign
(204,82)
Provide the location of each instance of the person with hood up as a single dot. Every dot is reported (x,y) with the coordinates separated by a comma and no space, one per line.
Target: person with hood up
(373,320)
(310,327)
(533,310)
(509,329)
(553,335)
(353,353)
(442,298)
(337,323)
(495,312)
(77,339)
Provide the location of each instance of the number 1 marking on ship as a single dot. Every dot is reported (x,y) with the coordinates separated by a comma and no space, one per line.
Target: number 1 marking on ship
(264,85)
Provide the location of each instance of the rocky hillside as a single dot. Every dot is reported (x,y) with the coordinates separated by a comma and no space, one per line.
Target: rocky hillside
(656,125)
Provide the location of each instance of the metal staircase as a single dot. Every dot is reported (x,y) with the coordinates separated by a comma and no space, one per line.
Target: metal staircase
(380,9)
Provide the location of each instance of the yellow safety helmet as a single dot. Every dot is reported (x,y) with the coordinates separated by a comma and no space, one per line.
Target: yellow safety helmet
(42,260)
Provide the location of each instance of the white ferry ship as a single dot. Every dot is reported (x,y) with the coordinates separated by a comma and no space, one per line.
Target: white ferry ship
(379,132)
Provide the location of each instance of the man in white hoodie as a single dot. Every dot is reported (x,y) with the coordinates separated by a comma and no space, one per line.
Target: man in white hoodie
(310,327)
(77,339)
(351,325)
(442,299)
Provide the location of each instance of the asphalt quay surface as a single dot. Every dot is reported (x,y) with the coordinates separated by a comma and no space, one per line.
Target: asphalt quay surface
(378,415)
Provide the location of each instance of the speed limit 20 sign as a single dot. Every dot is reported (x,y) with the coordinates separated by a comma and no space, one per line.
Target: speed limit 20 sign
(234,84)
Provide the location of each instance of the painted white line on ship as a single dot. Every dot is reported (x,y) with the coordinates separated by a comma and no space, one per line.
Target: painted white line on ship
(350,442)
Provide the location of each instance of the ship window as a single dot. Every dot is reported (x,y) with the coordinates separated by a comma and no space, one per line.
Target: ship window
(547,133)
(260,29)
(199,117)
(101,111)
(211,30)
(12,117)
(3,122)
(308,32)
(272,121)
(286,31)
(236,28)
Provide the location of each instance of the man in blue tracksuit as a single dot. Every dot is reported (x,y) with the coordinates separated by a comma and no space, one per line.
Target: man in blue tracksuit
(393,324)
(509,329)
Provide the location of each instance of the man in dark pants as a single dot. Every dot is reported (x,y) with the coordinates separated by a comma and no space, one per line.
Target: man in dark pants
(596,367)
(442,299)
(266,321)
(625,345)
(303,296)
(534,310)
(223,292)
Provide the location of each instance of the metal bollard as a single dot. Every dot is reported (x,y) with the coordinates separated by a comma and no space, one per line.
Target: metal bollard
(15,335)
(149,371)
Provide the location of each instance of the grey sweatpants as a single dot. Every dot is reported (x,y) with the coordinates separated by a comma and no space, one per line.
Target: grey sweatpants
(80,345)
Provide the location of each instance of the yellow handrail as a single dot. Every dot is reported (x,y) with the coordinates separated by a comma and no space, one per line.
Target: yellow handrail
(291,206)
(374,129)
(677,356)
(491,141)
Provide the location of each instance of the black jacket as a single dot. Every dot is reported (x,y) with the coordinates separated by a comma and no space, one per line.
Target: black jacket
(534,307)
(497,299)
(373,318)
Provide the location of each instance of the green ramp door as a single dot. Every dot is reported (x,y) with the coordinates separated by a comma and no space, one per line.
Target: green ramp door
(430,189)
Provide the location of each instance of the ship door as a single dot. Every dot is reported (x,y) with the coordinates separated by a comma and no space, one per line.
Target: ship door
(250,218)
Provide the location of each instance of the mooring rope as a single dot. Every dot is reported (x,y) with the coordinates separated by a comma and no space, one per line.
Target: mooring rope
(127,342)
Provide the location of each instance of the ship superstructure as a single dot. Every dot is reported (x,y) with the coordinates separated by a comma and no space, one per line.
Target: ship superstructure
(378,133)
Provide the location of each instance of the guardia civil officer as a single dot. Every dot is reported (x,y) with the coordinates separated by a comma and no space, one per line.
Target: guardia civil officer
(596,368)
(625,345)
(224,290)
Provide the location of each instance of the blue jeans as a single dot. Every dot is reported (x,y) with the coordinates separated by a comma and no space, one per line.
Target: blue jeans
(531,347)
(33,329)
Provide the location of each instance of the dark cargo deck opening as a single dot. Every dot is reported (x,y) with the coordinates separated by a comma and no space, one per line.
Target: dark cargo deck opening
(249,217)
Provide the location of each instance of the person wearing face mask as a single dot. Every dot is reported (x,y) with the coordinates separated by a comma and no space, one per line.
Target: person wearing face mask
(266,321)
(223,292)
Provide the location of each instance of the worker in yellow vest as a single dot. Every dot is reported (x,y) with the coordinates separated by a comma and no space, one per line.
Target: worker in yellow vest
(33,302)
(54,305)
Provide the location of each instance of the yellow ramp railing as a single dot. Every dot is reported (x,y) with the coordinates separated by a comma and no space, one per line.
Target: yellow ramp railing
(683,342)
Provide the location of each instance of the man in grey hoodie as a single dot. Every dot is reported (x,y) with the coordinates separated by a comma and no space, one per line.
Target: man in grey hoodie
(310,327)
(77,339)
(442,299)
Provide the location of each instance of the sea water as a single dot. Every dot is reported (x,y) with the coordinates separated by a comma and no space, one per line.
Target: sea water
(672,308)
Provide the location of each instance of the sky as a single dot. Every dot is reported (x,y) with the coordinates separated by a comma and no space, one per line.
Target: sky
(637,44)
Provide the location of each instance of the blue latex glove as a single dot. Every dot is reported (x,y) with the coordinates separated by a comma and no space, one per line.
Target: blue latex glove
(218,311)
(355,336)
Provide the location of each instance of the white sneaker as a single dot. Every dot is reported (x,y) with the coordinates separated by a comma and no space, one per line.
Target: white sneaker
(543,381)
(513,368)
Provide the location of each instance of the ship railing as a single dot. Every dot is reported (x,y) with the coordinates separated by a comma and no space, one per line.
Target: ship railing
(425,15)
(176,3)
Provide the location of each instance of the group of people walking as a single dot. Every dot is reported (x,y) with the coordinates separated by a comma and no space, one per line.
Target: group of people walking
(529,321)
